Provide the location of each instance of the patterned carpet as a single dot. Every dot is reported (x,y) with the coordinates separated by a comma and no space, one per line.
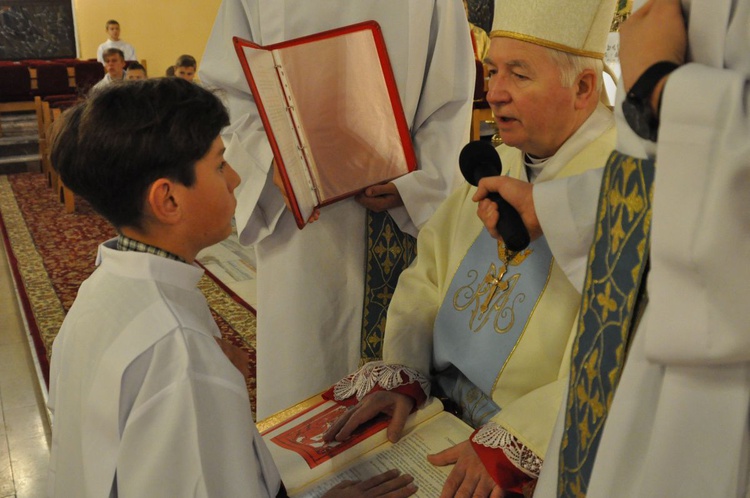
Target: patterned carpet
(52,252)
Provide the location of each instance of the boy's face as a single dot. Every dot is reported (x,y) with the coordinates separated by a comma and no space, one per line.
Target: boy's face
(113,31)
(115,66)
(184,72)
(135,74)
(209,204)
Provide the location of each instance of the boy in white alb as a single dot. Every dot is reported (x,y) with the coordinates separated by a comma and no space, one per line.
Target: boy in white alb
(113,32)
(143,397)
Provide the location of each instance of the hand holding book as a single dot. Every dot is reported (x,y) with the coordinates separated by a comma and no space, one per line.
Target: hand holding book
(380,198)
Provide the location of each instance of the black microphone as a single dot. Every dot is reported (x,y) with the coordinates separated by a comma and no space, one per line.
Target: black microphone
(477,160)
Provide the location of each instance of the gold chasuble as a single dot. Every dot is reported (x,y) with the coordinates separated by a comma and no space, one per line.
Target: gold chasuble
(611,299)
(389,251)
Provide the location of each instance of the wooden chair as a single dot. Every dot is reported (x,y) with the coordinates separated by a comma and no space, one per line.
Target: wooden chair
(87,74)
(44,123)
(15,88)
(52,80)
(67,197)
(49,114)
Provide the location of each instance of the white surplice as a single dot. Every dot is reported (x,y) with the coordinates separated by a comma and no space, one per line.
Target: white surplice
(678,424)
(311,281)
(127,50)
(145,403)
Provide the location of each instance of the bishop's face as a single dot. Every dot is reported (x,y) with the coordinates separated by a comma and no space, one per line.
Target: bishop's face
(532,109)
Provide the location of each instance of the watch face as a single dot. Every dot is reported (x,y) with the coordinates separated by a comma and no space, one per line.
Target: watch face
(639,117)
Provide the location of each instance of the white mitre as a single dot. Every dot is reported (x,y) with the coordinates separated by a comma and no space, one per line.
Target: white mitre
(580,27)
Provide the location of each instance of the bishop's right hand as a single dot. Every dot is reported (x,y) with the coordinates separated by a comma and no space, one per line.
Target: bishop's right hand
(397,406)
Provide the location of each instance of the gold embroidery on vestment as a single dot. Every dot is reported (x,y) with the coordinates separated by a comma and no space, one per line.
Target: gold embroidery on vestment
(490,297)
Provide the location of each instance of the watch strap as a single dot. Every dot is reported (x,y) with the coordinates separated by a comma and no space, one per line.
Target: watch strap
(645,84)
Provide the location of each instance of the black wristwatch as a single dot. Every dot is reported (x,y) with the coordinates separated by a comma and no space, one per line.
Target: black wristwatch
(637,104)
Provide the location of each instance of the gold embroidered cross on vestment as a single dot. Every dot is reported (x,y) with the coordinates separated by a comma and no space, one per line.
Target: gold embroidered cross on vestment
(495,281)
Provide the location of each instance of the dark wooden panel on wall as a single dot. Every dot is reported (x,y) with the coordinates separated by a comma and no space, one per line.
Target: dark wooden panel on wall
(481,13)
(36,29)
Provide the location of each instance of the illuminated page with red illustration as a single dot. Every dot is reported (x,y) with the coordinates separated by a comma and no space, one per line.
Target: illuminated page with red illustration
(310,466)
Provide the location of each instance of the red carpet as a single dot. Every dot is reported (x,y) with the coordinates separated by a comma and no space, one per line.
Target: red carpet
(51,253)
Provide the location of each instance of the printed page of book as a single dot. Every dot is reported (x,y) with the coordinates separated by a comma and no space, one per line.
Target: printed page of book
(409,456)
(343,102)
(301,455)
(274,102)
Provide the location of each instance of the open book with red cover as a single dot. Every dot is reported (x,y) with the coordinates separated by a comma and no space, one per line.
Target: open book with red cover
(331,110)
(309,466)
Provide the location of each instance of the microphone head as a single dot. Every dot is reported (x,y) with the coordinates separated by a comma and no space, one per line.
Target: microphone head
(477,160)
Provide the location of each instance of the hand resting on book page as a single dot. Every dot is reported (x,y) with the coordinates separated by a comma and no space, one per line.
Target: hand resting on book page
(380,198)
(469,477)
(280,185)
(397,406)
(390,484)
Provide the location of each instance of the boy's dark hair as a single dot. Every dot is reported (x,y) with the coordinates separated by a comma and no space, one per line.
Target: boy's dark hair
(136,65)
(111,147)
(113,51)
(185,60)
(110,22)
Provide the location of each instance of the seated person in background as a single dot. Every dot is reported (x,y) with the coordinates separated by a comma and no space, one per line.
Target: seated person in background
(185,67)
(138,367)
(135,71)
(169,72)
(474,323)
(114,63)
(113,32)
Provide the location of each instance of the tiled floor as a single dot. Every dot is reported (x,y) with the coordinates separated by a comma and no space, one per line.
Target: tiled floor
(24,429)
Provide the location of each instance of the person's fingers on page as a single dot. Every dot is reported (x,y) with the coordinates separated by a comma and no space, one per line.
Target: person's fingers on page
(389,485)
(330,434)
(371,405)
(367,409)
(457,474)
(448,456)
(344,489)
(469,477)
(401,410)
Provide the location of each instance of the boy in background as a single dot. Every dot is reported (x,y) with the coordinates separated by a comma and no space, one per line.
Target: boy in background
(114,64)
(136,71)
(113,41)
(144,400)
(185,67)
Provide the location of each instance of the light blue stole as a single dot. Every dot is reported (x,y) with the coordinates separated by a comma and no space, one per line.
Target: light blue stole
(471,346)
